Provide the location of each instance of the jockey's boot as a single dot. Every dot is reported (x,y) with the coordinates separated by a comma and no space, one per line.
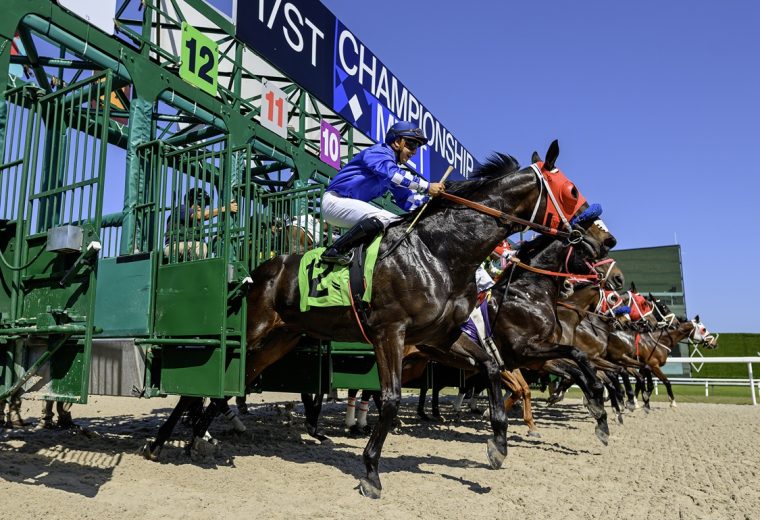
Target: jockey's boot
(340,252)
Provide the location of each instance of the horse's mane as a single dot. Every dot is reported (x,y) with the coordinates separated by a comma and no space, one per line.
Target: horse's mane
(497,165)
(532,247)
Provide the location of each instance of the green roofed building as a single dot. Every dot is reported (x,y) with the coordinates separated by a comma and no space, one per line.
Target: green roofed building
(657,270)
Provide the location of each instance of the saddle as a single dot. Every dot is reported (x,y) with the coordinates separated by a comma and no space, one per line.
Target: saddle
(332,285)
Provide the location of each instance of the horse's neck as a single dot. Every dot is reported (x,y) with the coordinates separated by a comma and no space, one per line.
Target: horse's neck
(469,236)
(585,298)
(540,287)
(680,333)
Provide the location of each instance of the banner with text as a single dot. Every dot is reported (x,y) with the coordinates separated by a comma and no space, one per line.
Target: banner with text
(309,44)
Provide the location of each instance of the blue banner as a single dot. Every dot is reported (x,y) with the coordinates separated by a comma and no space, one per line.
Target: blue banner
(309,44)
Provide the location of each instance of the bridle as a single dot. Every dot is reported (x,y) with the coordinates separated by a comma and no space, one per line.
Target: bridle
(572,235)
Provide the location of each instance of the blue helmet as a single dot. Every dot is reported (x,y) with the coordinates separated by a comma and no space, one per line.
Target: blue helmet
(406,130)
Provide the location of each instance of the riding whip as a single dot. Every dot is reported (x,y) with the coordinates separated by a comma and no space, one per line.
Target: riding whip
(422,209)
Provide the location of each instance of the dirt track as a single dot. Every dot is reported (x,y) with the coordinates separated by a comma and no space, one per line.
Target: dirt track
(696,461)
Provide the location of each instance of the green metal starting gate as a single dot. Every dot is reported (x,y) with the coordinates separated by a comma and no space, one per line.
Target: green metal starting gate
(111,280)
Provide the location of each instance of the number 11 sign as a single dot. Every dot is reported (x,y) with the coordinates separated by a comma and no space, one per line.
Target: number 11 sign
(274,109)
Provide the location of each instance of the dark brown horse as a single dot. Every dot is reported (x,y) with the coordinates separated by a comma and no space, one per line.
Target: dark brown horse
(584,299)
(424,288)
(588,318)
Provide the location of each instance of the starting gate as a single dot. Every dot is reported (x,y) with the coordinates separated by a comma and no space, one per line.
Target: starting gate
(111,280)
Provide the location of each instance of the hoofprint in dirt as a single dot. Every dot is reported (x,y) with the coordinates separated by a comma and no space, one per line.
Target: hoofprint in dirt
(699,461)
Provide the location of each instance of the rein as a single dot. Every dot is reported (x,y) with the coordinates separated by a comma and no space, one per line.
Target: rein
(573,236)
(546,272)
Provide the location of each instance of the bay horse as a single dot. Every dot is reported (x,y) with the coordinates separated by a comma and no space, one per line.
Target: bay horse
(588,317)
(423,283)
(608,275)
(652,349)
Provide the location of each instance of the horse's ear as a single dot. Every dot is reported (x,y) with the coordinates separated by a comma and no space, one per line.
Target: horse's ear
(696,318)
(535,157)
(652,298)
(633,287)
(551,155)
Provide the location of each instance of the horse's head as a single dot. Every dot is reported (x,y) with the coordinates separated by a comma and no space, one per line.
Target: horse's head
(610,275)
(700,335)
(642,311)
(663,315)
(564,207)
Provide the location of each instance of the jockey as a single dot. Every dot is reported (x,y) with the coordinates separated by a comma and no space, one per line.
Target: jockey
(371,174)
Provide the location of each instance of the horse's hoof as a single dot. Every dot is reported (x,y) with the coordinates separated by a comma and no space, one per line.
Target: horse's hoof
(423,416)
(495,455)
(150,454)
(620,418)
(314,433)
(603,436)
(237,425)
(368,489)
(204,448)
(673,404)
(359,431)
(534,433)
(630,405)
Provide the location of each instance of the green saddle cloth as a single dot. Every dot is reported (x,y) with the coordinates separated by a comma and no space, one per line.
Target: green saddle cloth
(327,285)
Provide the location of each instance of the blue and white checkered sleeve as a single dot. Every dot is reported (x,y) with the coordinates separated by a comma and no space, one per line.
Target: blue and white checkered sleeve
(407,179)
(386,167)
(406,199)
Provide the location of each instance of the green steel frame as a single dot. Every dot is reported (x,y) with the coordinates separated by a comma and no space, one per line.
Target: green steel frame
(90,95)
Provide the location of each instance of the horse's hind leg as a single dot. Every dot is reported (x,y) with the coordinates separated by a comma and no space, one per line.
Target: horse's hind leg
(421,400)
(647,386)
(568,370)
(630,401)
(312,407)
(665,381)
(202,441)
(152,450)
(614,401)
(521,390)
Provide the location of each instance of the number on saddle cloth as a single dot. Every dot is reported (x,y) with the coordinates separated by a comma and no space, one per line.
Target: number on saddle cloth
(323,284)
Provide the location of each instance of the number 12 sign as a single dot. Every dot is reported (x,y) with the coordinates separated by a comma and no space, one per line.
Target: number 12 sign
(274,109)
(200,59)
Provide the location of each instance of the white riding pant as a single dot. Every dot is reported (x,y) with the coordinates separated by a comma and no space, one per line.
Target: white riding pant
(345,212)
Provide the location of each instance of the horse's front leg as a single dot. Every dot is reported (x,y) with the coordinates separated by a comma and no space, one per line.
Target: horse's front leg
(665,381)
(152,450)
(630,402)
(389,349)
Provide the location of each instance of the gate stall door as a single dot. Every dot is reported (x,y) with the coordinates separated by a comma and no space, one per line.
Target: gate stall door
(51,181)
(198,321)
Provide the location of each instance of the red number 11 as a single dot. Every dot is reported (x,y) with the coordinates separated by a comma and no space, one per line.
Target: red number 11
(271,103)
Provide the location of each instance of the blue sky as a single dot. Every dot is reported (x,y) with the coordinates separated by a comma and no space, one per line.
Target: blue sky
(656,106)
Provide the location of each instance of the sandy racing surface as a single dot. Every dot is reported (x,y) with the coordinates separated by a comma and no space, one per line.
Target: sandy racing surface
(696,461)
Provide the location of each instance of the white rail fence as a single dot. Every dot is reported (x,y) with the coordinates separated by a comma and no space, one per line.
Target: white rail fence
(754,386)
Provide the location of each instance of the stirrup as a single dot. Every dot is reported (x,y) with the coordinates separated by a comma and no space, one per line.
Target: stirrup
(340,259)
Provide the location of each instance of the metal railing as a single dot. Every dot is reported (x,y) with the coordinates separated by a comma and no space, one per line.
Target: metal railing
(747,360)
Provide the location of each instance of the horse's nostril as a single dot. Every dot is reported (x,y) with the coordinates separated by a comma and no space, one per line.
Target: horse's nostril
(610,242)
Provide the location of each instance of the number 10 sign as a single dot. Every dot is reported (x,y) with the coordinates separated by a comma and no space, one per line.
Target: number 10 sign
(329,145)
